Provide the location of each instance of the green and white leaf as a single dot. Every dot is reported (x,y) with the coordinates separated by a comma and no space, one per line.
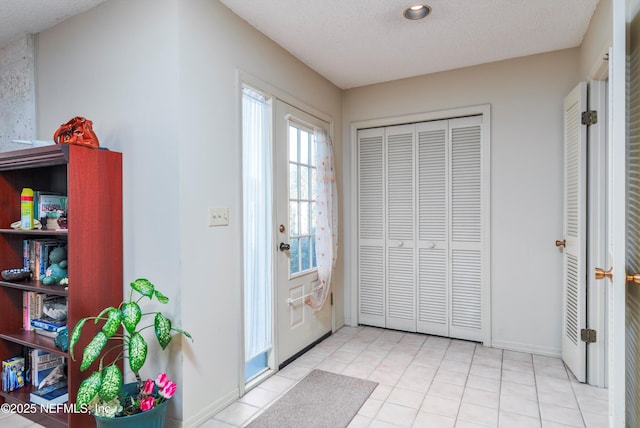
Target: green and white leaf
(131,315)
(179,330)
(143,286)
(75,336)
(137,352)
(111,383)
(113,322)
(161,297)
(88,389)
(92,350)
(162,326)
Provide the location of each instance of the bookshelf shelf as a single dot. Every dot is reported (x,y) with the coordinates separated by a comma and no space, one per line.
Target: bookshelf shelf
(49,419)
(33,340)
(92,181)
(35,232)
(37,286)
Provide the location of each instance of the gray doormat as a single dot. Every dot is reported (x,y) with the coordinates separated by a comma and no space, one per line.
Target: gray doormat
(320,400)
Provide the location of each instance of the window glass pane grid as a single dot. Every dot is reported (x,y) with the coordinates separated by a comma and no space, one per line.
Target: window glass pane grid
(301,191)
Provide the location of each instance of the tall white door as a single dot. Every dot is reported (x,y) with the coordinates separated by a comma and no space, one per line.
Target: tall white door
(469,228)
(400,243)
(371,228)
(574,254)
(434,292)
(298,325)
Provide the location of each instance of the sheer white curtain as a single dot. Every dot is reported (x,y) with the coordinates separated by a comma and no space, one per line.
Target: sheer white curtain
(257,203)
(326,215)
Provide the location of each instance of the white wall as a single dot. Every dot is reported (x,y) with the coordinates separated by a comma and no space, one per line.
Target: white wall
(214,45)
(526,97)
(103,65)
(159,80)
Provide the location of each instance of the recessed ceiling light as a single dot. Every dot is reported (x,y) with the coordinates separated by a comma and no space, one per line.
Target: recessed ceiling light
(417,12)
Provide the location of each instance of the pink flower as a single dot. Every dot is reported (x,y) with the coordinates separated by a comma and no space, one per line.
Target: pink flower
(147,403)
(162,380)
(147,389)
(168,390)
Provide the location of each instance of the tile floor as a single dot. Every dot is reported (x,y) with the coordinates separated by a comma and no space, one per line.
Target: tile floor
(432,382)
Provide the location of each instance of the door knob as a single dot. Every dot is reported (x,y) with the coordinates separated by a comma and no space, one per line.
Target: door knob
(601,273)
(635,278)
(284,247)
(562,243)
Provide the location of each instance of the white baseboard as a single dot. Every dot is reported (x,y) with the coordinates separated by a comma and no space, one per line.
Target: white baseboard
(209,411)
(526,347)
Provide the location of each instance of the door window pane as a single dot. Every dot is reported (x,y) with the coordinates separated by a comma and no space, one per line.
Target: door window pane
(257,182)
(293,181)
(301,222)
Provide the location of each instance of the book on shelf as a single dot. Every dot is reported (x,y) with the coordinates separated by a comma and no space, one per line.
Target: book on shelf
(48,325)
(44,202)
(46,368)
(13,374)
(32,306)
(57,393)
(35,255)
(46,333)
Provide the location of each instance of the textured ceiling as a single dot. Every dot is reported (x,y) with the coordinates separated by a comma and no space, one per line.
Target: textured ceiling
(19,17)
(359,42)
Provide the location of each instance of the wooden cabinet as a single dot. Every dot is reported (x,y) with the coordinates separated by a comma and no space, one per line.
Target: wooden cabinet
(92,180)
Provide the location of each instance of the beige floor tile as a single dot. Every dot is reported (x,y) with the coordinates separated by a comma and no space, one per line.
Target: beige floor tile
(431,420)
(428,381)
(397,414)
(514,420)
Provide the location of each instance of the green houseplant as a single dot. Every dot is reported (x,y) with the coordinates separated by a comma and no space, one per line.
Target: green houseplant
(103,392)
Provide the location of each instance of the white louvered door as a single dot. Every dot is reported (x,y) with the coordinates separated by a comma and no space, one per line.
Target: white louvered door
(423,227)
(371,250)
(433,227)
(400,242)
(466,236)
(574,269)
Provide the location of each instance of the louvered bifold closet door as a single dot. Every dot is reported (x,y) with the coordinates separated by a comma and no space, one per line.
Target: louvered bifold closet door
(466,231)
(371,220)
(401,289)
(574,266)
(433,225)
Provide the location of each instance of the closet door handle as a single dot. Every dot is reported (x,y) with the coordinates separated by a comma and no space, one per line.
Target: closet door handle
(400,243)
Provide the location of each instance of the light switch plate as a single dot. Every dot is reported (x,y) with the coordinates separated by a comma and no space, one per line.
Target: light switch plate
(218,217)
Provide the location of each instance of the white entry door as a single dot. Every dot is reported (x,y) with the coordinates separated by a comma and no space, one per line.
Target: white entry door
(574,242)
(298,325)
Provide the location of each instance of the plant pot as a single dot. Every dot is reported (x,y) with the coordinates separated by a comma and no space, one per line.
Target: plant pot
(154,418)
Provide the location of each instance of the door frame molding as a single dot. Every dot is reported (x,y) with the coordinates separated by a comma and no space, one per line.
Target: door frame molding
(596,233)
(244,78)
(481,109)
(617,221)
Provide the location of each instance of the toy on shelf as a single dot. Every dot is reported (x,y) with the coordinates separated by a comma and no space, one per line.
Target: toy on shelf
(57,272)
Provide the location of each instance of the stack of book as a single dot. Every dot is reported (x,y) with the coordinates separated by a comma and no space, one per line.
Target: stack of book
(35,255)
(56,393)
(46,367)
(48,327)
(44,314)
(32,305)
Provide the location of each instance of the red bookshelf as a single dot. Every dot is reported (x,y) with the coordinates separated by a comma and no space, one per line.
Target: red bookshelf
(92,180)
